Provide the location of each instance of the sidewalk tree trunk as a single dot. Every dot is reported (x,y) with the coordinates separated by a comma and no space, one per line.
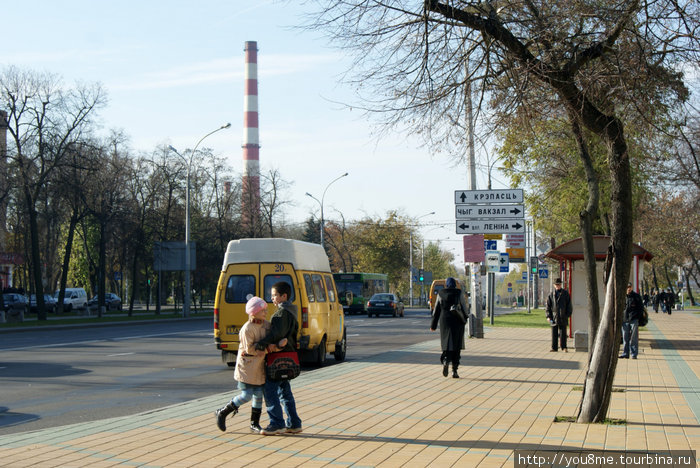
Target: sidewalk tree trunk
(586,218)
(600,66)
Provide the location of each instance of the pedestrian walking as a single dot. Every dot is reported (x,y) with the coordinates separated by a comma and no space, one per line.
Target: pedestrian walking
(655,301)
(450,313)
(670,299)
(278,394)
(663,303)
(634,308)
(250,366)
(559,310)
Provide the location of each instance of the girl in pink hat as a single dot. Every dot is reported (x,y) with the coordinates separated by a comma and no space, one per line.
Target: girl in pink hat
(250,365)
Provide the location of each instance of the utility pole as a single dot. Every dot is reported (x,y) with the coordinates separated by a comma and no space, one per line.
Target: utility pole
(477,324)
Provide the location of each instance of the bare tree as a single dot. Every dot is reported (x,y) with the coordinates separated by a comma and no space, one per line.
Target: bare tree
(272,200)
(44,122)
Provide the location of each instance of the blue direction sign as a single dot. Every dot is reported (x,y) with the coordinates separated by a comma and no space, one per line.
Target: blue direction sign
(503,263)
(490,244)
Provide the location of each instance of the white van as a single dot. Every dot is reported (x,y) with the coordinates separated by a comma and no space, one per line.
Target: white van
(74,298)
(252,266)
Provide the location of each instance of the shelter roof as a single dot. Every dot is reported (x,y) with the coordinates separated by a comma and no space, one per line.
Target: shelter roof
(573,250)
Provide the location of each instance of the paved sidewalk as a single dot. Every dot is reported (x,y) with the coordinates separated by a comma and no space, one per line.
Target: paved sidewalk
(396,409)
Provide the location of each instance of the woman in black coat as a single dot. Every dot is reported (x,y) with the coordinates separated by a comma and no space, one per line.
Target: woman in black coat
(450,313)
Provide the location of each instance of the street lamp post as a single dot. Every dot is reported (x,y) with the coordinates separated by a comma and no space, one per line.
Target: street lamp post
(321,203)
(188,257)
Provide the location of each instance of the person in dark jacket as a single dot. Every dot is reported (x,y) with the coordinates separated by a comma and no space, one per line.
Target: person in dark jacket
(670,300)
(278,394)
(559,310)
(634,308)
(450,313)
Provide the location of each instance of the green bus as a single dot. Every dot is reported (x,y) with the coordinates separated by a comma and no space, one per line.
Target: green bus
(355,289)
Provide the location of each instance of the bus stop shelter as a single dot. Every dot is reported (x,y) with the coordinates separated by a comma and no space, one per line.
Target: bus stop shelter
(569,257)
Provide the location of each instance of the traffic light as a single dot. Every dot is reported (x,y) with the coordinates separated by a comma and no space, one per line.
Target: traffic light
(420,275)
(533,265)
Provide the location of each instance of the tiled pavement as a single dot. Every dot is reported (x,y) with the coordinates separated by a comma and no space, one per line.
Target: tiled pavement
(396,409)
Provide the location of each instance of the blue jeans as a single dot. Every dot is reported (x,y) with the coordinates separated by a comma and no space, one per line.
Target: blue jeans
(278,395)
(630,338)
(249,392)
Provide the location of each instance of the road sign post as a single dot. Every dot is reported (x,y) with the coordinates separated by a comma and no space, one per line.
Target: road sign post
(487,212)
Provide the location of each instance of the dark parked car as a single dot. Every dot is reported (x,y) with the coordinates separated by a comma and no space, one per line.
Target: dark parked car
(112,302)
(15,301)
(385,303)
(49,301)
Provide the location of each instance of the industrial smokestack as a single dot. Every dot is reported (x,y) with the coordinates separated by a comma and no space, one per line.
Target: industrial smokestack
(250,187)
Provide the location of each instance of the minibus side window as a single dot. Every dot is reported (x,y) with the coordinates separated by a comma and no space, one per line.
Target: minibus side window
(319,290)
(270,280)
(309,287)
(238,287)
(329,287)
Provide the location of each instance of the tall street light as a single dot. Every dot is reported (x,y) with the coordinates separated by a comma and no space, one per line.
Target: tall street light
(321,203)
(188,257)
(410,260)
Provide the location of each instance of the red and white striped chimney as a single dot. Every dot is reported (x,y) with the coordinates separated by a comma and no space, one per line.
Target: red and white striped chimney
(250,189)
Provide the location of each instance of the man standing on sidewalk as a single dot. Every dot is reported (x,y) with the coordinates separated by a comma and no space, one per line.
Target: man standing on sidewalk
(559,310)
(634,308)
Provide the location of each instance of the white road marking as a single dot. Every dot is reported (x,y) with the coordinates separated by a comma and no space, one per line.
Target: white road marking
(120,354)
(72,343)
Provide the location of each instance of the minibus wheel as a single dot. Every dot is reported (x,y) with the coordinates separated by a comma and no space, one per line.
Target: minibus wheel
(340,349)
(321,356)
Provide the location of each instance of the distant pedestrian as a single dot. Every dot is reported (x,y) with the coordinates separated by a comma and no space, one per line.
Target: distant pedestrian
(663,303)
(646,299)
(559,310)
(634,308)
(450,313)
(278,394)
(670,299)
(250,366)
(655,300)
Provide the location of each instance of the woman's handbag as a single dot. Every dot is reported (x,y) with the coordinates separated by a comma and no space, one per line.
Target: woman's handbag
(281,366)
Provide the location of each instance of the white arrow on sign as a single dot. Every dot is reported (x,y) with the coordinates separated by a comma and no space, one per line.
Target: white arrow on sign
(489,211)
(497,226)
(489,196)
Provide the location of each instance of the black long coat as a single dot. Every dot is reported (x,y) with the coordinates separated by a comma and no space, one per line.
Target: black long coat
(451,325)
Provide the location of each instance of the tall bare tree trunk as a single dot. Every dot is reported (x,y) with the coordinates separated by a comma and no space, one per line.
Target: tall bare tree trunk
(687,272)
(66,261)
(36,257)
(586,217)
(601,370)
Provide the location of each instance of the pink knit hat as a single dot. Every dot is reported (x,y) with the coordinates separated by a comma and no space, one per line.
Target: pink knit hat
(255,305)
